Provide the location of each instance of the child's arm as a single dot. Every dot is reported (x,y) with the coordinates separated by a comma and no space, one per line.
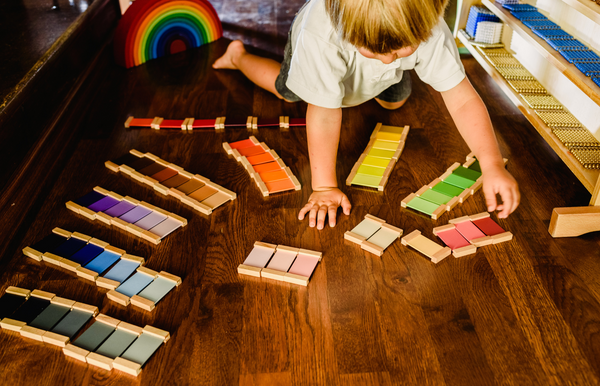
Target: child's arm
(473,122)
(323,132)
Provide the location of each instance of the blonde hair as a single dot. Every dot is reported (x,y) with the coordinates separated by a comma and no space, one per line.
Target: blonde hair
(382,26)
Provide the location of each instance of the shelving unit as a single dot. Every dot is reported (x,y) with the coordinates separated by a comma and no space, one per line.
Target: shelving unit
(584,83)
(565,222)
(586,7)
(588,177)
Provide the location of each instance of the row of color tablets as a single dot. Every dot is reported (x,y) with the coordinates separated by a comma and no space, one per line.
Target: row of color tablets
(264,166)
(218,123)
(107,342)
(158,123)
(278,262)
(110,343)
(442,194)
(464,234)
(43,316)
(284,122)
(90,258)
(375,165)
(169,179)
(105,265)
(140,218)
(373,234)
(454,186)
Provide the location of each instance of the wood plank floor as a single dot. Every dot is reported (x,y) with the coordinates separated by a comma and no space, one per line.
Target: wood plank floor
(29,28)
(524,312)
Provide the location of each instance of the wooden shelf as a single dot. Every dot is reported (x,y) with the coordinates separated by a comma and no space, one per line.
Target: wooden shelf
(589,178)
(553,57)
(587,8)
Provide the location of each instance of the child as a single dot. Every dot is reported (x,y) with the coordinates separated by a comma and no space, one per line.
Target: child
(341,53)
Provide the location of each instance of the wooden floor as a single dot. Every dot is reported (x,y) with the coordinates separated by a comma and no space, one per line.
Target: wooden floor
(28,29)
(525,312)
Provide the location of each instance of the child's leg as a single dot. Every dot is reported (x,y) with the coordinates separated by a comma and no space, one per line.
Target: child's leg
(261,71)
(396,95)
(391,105)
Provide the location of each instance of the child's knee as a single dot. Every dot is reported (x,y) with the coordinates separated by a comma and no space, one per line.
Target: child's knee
(391,105)
(278,95)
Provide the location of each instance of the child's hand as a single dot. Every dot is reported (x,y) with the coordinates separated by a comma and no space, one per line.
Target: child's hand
(323,203)
(497,180)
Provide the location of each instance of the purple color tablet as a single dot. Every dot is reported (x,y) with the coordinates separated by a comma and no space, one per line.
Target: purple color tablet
(104,204)
(120,209)
(135,214)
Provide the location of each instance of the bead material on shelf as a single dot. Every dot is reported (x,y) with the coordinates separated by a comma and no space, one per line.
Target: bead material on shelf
(547,102)
(589,158)
(576,138)
(558,118)
(489,32)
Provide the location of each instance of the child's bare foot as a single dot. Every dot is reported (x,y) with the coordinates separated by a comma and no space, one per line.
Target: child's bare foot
(231,56)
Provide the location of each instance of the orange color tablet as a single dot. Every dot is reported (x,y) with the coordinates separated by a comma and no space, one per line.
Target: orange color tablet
(250,151)
(260,159)
(280,186)
(241,144)
(268,167)
(274,176)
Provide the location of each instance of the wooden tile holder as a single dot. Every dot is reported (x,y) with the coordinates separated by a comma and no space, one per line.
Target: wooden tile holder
(157,186)
(275,274)
(250,169)
(392,163)
(364,242)
(429,248)
(103,217)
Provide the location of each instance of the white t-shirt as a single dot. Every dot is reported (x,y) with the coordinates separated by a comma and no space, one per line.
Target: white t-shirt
(328,72)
